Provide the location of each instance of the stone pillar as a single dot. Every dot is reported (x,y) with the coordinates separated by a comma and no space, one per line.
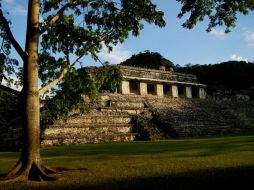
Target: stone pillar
(143,88)
(125,87)
(187,92)
(201,93)
(159,90)
(174,91)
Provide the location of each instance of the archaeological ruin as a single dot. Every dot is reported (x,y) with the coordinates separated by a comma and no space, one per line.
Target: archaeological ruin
(152,104)
(149,104)
(160,83)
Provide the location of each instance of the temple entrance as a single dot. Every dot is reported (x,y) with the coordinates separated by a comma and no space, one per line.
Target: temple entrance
(151,89)
(166,90)
(195,92)
(134,87)
(181,91)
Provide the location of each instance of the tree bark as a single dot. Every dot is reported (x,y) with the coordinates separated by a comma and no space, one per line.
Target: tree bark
(31,117)
(30,165)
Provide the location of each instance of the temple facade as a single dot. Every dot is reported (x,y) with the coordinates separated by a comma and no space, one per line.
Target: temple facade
(160,82)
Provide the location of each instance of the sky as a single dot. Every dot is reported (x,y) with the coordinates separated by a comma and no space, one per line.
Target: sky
(181,46)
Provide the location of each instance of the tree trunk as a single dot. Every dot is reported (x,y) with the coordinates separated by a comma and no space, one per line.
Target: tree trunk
(30,165)
(31,117)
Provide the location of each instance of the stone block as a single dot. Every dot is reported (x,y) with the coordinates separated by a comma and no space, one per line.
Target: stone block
(187,92)
(143,88)
(174,91)
(125,87)
(201,93)
(159,90)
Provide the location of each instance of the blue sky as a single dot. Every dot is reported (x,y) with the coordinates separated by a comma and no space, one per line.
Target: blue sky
(180,45)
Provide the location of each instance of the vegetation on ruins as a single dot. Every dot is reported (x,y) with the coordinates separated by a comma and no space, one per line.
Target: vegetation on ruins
(68,96)
(147,59)
(68,31)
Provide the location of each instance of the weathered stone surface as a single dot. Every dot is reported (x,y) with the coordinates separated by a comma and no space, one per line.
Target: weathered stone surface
(130,117)
(192,117)
(157,74)
(187,92)
(159,90)
(201,93)
(94,127)
(125,87)
(174,91)
(143,88)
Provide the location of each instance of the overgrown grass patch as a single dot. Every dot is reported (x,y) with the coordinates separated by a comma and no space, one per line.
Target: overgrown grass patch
(201,163)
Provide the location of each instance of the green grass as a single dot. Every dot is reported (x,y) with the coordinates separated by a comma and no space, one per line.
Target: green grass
(201,163)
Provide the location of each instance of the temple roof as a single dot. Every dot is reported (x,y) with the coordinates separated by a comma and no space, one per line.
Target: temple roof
(153,75)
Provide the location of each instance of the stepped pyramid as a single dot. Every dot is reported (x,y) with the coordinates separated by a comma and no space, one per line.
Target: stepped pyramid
(110,120)
(118,118)
(133,117)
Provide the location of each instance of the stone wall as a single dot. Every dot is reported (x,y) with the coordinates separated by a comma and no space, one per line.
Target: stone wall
(95,127)
(192,117)
(157,74)
(119,117)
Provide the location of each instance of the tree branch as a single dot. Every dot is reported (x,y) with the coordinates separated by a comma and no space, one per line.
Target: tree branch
(59,13)
(61,75)
(10,36)
(58,79)
(65,70)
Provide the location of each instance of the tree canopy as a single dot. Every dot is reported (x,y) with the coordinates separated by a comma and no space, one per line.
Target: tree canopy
(148,59)
(218,12)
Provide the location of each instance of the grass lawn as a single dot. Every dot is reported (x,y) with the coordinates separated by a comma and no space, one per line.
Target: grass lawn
(200,163)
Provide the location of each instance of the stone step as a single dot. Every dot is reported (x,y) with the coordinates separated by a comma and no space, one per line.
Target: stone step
(121,137)
(85,130)
(90,126)
(96,112)
(126,105)
(202,130)
(87,119)
(123,110)
(126,98)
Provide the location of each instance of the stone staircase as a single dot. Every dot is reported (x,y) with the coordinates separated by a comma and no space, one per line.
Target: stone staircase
(94,127)
(192,117)
(113,118)
(118,118)
(133,117)
(136,105)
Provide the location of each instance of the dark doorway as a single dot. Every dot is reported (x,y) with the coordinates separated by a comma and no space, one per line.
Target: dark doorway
(181,91)
(134,87)
(195,92)
(151,89)
(166,90)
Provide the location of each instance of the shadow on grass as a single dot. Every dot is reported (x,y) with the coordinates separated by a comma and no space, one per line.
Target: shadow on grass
(232,178)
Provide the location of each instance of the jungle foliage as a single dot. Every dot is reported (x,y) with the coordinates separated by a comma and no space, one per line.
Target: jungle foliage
(226,78)
(8,108)
(87,81)
(147,59)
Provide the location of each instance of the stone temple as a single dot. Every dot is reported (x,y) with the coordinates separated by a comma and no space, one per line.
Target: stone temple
(160,83)
(149,104)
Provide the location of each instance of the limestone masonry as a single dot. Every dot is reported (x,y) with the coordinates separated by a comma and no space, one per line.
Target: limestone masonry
(149,104)
(160,82)
(152,104)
